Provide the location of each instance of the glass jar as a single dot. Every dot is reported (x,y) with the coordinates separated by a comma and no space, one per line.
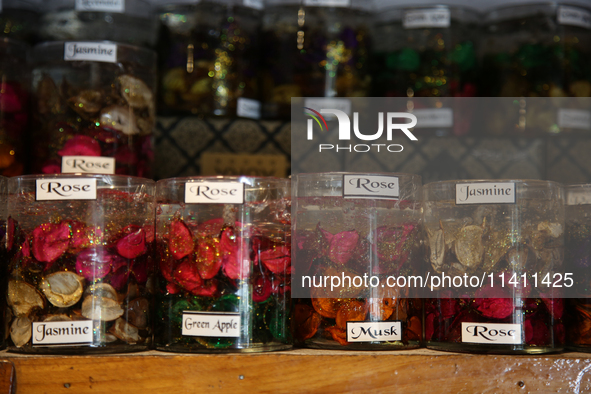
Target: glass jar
(19,19)
(94,108)
(80,279)
(536,50)
(209,57)
(509,232)
(127,21)
(356,226)
(425,51)
(4,317)
(14,101)
(314,48)
(223,245)
(577,257)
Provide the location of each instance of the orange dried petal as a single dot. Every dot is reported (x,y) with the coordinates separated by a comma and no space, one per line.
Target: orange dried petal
(328,307)
(306,322)
(414,329)
(350,311)
(381,308)
(338,335)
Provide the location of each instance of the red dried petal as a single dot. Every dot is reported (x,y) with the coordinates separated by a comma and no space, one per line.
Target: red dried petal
(207,289)
(149,233)
(172,288)
(26,247)
(180,241)
(261,289)
(81,145)
(555,306)
(235,262)
(187,276)
(209,260)
(277,260)
(536,332)
(51,168)
(50,241)
(94,263)
(449,307)
(133,244)
(118,278)
(9,99)
(342,246)
(210,228)
(496,305)
(139,268)
(167,266)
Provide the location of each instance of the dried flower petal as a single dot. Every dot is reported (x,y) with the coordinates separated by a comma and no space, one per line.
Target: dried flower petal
(118,278)
(133,244)
(235,262)
(536,332)
(338,335)
(306,322)
(208,289)
(167,266)
(180,242)
(50,241)
(277,260)
(381,308)
(350,311)
(187,276)
(261,289)
(139,268)
(81,145)
(94,263)
(496,305)
(328,307)
(342,245)
(555,306)
(209,260)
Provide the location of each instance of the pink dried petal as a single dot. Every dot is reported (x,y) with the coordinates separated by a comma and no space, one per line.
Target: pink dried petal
(536,332)
(94,263)
(51,167)
(149,233)
(118,278)
(493,302)
(325,234)
(449,307)
(209,260)
(187,276)
(342,246)
(277,260)
(261,289)
(140,271)
(50,241)
(9,99)
(81,145)
(180,241)
(26,247)
(555,306)
(133,244)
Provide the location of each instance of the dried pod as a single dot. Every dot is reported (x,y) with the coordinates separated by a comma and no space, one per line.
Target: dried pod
(125,331)
(49,99)
(23,298)
(21,331)
(517,257)
(101,308)
(87,102)
(437,248)
(553,229)
(135,92)
(468,247)
(119,118)
(138,313)
(60,317)
(496,244)
(63,289)
(103,290)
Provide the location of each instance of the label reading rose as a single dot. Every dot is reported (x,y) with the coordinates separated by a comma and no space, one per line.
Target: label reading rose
(88,165)
(211,324)
(485,193)
(366,186)
(62,333)
(386,331)
(65,189)
(492,333)
(214,193)
(574,16)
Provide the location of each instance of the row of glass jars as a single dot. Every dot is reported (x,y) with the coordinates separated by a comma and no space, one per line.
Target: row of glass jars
(100,263)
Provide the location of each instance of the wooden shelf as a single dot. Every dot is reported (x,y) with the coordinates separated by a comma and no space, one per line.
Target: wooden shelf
(300,370)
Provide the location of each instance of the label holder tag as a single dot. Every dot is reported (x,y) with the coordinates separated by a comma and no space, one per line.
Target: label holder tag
(383,331)
(360,186)
(486,193)
(209,322)
(214,193)
(61,189)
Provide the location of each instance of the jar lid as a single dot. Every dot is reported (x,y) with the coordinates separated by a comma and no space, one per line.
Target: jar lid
(459,13)
(256,4)
(512,9)
(31,5)
(53,51)
(139,8)
(367,5)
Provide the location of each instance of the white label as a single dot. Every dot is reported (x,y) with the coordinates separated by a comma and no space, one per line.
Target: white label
(66,189)
(62,333)
(256,4)
(485,193)
(386,331)
(319,103)
(372,186)
(211,324)
(214,192)
(88,165)
(426,18)
(574,16)
(248,108)
(574,119)
(436,117)
(91,51)
(492,333)
(328,3)
(101,5)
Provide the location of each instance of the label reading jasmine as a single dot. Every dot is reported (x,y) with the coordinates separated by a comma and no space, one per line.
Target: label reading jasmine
(374,331)
(214,192)
(65,189)
(88,165)
(370,186)
(211,324)
(574,16)
(62,333)
(90,51)
(492,333)
(485,193)
(101,5)
(433,17)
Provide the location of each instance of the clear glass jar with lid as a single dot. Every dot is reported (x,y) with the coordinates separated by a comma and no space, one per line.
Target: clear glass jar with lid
(209,57)
(314,48)
(19,19)
(126,21)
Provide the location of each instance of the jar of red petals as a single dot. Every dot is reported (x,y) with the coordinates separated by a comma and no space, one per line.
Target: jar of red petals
(80,272)
(353,233)
(495,251)
(224,255)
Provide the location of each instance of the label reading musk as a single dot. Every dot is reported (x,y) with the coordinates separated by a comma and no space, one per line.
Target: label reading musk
(574,16)
(101,5)
(328,3)
(62,333)
(485,193)
(374,331)
(371,186)
(65,189)
(211,324)
(214,193)
(88,165)
(248,108)
(90,51)
(492,333)
(426,18)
